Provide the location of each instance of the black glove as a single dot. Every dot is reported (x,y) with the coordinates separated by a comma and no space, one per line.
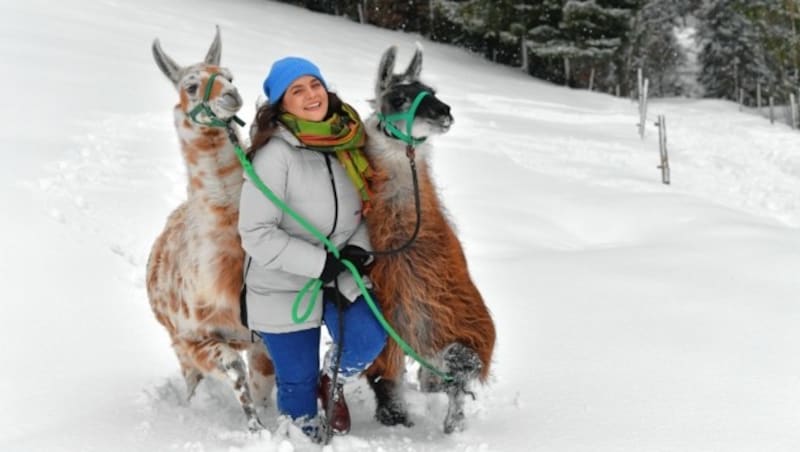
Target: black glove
(357,255)
(332,268)
(337,298)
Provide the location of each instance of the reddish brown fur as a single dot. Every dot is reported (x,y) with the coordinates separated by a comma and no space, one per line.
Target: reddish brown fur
(426,292)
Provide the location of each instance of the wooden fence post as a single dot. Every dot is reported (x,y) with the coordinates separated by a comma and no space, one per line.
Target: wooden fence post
(662,149)
(643,108)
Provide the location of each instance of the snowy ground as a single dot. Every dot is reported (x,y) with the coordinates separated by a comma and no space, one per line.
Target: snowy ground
(632,316)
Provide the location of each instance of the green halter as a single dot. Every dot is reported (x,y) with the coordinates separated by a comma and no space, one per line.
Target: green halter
(203,107)
(408,117)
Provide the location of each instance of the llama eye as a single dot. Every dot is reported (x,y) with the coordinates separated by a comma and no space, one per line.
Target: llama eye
(398,102)
(192,89)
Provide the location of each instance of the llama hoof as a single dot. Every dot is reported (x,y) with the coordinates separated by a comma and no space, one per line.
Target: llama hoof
(192,378)
(388,416)
(254,425)
(454,423)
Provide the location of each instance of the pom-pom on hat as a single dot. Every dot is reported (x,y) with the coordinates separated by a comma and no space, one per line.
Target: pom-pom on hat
(284,72)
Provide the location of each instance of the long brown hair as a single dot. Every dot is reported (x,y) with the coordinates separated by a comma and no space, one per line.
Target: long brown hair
(266,121)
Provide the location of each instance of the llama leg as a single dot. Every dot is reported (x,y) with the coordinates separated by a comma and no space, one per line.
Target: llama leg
(428,381)
(391,408)
(191,375)
(454,421)
(192,378)
(464,365)
(262,373)
(226,364)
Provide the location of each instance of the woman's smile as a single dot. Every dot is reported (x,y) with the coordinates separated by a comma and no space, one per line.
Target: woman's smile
(307,99)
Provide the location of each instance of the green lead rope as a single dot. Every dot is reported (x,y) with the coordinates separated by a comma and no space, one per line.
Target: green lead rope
(314,285)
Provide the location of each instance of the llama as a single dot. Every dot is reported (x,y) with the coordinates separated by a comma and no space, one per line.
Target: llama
(425,292)
(194,272)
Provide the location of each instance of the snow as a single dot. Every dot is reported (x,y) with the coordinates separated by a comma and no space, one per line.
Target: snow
(631,316)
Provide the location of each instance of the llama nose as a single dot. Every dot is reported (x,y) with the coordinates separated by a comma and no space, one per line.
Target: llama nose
(443,110)
(447,121)
(231,101)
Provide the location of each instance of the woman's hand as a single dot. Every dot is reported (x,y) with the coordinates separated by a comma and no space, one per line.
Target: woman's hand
(357,255)
(333,266)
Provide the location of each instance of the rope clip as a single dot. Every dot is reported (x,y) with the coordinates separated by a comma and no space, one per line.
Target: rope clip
(411,151)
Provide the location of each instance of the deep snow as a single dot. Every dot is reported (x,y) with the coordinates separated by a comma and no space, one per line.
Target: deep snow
(631,316)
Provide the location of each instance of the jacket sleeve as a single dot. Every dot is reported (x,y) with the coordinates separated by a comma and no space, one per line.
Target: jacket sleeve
(347,285)
(361,237)
(259,218)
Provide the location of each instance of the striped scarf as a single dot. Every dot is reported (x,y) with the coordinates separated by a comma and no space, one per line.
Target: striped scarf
(343,134)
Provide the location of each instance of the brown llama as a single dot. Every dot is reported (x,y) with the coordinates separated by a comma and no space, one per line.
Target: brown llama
(425,291)
(194,272)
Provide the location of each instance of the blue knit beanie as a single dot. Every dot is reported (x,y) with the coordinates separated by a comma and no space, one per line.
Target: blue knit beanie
(284,72)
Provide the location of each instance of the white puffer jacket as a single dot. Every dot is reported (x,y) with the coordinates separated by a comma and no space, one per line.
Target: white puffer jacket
(284,254)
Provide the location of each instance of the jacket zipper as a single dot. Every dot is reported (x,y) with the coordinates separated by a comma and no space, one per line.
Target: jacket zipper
(335,195)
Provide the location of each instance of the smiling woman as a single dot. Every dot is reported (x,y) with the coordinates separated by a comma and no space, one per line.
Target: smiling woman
(295,135)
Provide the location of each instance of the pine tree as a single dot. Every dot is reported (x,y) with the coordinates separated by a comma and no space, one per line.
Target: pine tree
(496,28)
(589,35)
(545,40)
(654,48)
(776,25)
(408,15)
(731,55)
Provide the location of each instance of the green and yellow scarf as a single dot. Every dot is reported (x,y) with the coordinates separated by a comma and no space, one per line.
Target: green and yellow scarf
(342,134)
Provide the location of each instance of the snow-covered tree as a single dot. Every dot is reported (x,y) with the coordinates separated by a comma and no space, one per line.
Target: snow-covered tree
(587,38)
(776,24)
(731,55)
(654,48)
(497,28)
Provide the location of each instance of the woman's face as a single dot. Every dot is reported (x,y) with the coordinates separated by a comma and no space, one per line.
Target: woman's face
(306,98)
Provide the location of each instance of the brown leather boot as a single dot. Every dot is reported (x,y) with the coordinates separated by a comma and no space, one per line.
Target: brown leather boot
(340,414)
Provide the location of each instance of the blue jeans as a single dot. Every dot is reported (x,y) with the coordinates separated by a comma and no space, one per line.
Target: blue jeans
(296,355)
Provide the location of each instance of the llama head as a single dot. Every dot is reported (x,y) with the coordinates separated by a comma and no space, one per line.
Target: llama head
(396,95)
(192,83)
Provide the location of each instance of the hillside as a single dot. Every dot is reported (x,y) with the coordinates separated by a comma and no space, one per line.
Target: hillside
(631,316)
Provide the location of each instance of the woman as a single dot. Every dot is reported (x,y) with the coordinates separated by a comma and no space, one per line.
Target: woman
(306,148)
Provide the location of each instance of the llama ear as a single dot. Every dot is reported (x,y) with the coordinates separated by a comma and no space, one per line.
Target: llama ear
(167,65)
(415,66)
(215,51)
(385,70)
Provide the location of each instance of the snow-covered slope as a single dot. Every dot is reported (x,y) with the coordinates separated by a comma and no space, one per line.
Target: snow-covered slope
(631,316)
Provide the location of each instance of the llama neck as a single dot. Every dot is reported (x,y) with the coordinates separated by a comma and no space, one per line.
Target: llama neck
(393,181)
(214,172)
